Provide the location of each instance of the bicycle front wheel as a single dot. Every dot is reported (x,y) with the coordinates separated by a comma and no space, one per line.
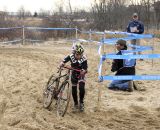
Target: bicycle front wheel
(49,91)
(63,99)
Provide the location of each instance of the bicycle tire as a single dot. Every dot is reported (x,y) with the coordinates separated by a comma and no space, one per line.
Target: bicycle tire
(61,98)
(49,91)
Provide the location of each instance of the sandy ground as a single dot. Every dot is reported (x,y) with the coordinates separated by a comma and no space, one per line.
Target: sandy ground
(24,71)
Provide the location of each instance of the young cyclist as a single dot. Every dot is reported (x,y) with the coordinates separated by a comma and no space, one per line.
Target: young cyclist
(78,61)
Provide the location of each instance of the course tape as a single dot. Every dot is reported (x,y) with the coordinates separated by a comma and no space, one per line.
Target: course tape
(11,28)
(131,34)
(40,28)
(140,47)
(11,41)
(34,40)
(144,56)
(137,48)
(131,37)
(130,77)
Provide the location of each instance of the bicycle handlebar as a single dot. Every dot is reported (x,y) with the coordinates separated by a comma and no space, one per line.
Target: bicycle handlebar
(70,68)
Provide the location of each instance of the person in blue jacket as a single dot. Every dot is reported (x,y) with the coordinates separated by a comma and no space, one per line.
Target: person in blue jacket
(137,27)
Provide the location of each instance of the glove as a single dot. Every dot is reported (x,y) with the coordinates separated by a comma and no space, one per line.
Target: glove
(83,72)
(61,64)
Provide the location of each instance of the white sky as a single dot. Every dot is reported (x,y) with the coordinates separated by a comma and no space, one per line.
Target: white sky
(36,5)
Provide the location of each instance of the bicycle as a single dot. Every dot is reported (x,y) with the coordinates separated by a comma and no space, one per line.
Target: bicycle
(59,89)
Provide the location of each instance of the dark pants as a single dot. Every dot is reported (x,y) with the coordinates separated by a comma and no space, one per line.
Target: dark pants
(81,82)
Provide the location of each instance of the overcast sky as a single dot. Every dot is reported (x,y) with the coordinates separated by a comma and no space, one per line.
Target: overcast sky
(36,5)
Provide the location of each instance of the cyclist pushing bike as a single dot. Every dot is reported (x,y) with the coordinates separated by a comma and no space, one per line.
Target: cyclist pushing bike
(78,61)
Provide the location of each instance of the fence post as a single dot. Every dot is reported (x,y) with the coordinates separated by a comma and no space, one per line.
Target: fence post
(90,38)
(104,36)
(153,46)
(23,36)
(90,34)
(76,33)
(103,70)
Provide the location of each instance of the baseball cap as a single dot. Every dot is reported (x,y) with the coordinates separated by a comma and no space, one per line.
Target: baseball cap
(135,14)
(122,43)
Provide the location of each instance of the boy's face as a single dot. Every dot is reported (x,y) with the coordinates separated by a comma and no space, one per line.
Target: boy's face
(119,47)
(78,56)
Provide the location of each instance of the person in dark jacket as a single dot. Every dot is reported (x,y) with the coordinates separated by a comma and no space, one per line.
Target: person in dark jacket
(118,66)
(137,27)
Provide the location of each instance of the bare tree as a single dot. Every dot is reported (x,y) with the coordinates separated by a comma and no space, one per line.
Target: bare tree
(21,12)
(109,14)
(146,4)
(44,13)
(156,6)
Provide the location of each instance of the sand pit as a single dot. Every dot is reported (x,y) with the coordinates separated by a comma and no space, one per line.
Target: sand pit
(25,70)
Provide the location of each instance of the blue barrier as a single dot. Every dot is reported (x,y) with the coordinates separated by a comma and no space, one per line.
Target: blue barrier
(130,77)
(137,48)
(130,36)
(144,56)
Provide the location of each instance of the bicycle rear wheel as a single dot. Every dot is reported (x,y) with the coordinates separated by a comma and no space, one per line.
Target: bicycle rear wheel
(49,91)
(63,99)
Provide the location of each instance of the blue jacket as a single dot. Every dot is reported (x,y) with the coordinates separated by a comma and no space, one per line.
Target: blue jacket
(137,24)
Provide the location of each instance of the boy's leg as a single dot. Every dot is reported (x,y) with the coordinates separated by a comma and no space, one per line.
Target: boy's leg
(81,93)
(74,94)
(74,91)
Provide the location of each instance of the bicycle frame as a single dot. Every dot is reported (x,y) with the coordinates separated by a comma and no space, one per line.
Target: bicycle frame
(56,89)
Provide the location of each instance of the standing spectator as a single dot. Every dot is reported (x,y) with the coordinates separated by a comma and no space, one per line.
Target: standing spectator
(137,27)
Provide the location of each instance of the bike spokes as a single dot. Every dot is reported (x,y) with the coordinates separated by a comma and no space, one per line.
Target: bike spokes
(49,92)
(63,99)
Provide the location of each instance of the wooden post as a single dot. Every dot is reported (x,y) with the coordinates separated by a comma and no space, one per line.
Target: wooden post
(99,86)
(152,51)
(90,38)
(23,36)
(76,33)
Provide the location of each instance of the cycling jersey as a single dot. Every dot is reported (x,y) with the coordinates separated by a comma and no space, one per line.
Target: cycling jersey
(77,64)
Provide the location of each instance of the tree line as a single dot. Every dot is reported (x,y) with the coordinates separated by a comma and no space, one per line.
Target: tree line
(102,15)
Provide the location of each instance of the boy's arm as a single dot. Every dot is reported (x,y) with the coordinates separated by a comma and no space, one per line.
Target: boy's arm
(84,67)
(65,60)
